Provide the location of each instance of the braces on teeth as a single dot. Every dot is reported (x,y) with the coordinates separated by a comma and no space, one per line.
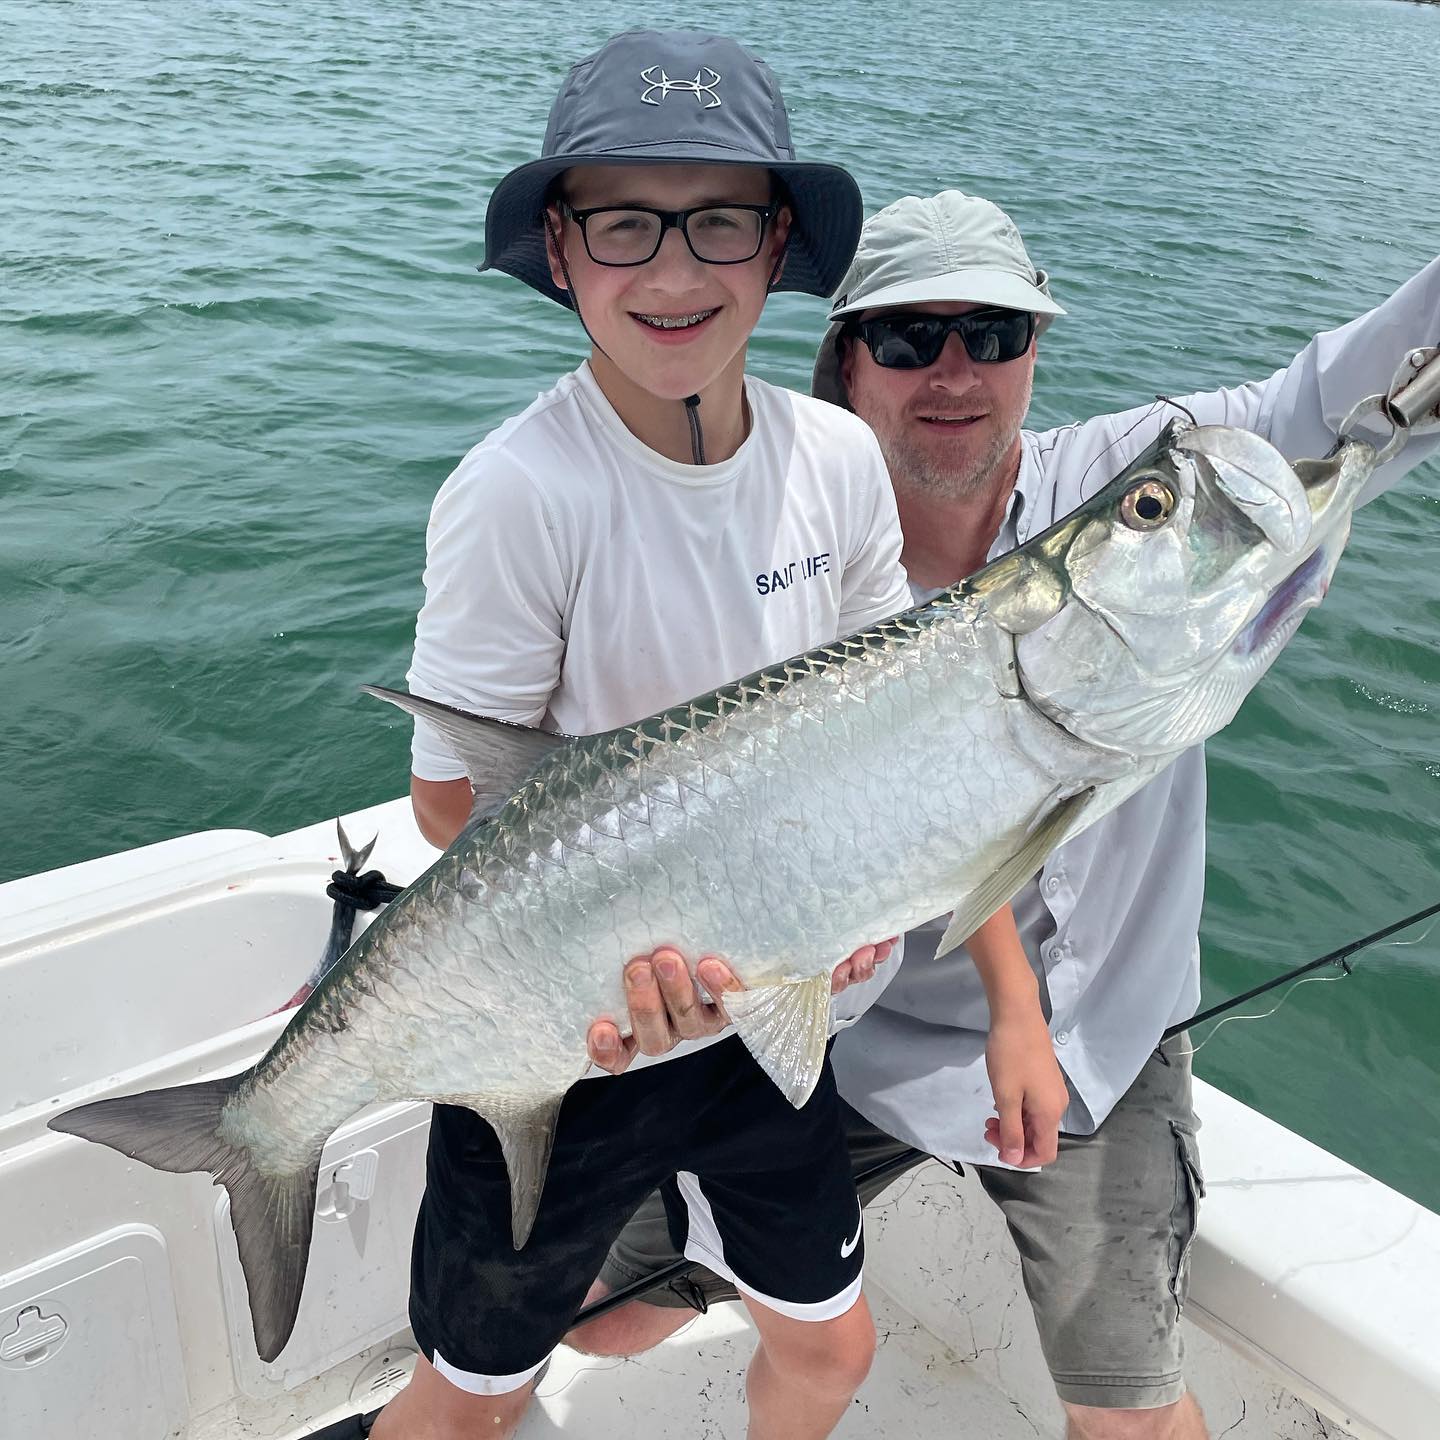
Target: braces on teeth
(676,322)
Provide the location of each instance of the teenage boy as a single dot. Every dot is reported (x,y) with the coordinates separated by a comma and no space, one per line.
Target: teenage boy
(595,559)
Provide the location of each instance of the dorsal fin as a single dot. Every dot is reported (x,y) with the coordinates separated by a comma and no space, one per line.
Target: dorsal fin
(498,755)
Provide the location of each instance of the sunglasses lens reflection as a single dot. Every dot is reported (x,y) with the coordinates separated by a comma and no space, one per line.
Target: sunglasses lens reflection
(911,342)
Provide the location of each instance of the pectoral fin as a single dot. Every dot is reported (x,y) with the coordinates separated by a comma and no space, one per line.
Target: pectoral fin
(785,1028)
(987,898)
(526,1135)
(497,755)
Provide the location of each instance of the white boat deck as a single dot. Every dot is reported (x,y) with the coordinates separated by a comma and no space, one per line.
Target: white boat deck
(1315,1303)
(694,1386)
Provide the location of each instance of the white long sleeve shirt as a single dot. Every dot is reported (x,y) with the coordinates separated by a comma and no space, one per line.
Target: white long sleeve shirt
(1111,924)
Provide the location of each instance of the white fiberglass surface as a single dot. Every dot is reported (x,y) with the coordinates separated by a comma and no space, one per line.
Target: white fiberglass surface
(84,1005)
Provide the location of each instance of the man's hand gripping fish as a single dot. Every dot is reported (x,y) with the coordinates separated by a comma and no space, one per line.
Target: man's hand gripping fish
(929,764)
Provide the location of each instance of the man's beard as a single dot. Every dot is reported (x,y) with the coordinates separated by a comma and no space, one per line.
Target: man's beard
(914,468)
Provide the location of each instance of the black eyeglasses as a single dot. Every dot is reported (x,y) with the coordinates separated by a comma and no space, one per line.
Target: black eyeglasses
(716,234)
(913,340)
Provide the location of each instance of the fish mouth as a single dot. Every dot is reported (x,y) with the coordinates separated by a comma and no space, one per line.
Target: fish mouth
(1304,586)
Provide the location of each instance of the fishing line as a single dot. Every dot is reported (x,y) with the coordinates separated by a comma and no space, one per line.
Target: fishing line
(1418,940)
(1339,958)
(1183,409)
(1263,1015)
(1146,416)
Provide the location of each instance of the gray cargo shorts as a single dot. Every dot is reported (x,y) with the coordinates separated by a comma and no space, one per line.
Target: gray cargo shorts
(1104,1235)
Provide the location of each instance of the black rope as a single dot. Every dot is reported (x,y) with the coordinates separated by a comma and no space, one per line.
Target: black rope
(362,892)
(678,1270)
(1340,957)
(351,893)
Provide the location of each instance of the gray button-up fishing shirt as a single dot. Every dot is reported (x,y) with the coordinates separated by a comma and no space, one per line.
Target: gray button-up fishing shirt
(1111,924)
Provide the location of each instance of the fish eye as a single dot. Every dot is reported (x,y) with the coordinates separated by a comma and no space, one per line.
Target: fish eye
(1148,505)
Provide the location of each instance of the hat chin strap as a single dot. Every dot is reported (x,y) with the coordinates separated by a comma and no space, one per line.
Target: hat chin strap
(691,402)
(697,438)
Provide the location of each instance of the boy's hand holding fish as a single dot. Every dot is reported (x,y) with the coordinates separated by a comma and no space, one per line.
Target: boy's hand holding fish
(665,1006)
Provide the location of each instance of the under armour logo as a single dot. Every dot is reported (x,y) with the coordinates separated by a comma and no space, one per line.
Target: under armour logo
(702,90)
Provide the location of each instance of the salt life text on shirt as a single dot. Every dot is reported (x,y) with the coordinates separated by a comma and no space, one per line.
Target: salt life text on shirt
(805,569)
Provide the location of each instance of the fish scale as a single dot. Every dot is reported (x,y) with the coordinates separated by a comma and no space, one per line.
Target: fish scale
(927,765)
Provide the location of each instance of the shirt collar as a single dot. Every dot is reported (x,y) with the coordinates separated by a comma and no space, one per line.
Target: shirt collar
(1019,509)
(1024,508)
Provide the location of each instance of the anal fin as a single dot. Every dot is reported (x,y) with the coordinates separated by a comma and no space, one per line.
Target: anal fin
(785,1027)
(997,888)
(526,1134)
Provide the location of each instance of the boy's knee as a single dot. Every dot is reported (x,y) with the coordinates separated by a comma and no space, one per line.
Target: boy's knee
(831,1356)
(431,1408)
(849,1364)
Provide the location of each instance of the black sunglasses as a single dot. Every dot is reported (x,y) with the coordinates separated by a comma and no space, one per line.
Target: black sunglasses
(914,339)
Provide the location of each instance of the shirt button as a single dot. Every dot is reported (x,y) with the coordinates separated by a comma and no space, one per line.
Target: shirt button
(1062,1037)
(1052,884)
(1055,953)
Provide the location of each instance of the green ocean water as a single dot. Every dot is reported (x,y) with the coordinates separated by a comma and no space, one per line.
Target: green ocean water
(242,341)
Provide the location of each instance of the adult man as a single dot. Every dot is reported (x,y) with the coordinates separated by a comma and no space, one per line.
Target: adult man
(932,343)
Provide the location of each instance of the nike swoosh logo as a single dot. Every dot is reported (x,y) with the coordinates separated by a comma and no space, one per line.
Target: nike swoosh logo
(847,1247)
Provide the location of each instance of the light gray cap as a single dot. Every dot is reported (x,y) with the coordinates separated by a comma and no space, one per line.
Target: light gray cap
(945,247)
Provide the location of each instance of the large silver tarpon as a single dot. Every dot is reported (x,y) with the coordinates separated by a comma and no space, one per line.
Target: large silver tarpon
(926,765)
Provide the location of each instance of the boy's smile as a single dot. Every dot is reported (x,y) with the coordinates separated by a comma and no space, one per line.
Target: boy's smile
(676,329)
(673,326)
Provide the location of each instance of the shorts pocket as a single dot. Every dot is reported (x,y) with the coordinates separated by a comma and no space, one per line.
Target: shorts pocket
(1185,1214)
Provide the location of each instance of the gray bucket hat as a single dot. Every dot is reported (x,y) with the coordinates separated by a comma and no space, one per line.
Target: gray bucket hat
(917,251)
(675,96)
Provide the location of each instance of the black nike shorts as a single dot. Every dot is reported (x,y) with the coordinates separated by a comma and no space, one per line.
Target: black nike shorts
(758,1191)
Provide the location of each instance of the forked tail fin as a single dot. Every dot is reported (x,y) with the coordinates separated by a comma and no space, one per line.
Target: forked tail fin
(180,1130)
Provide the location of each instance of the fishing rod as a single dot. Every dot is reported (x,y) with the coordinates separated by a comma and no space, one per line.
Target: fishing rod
(1339,958)
(352,891)
(896,1166)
